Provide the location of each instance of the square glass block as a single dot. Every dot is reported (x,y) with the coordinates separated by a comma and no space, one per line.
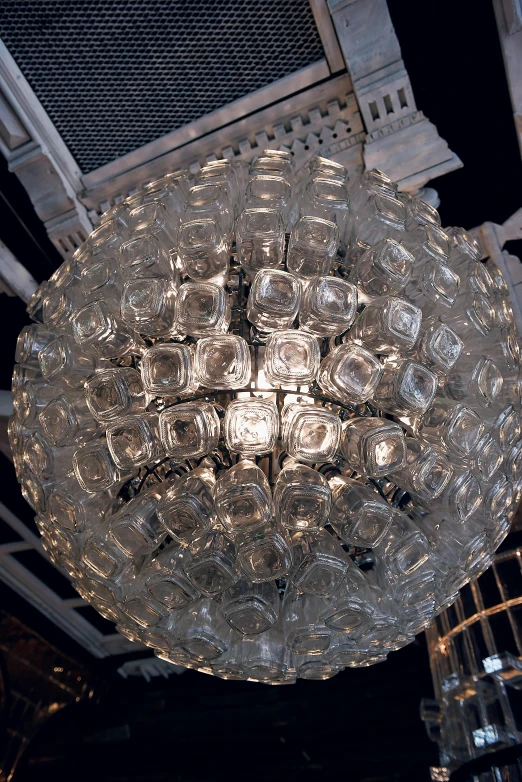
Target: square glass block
(440,347)
(311,434)
(94,467)
(202,309)
(204,250)
(373,446)
(167,370)
(264,554)
(405,388)
(350,374)
(387,325)
(291,357)
(96,328)
(358,515)
(249,608)
(213,566)
(135,528)
(464,495)
(187,507)
(222,362)
(440,284)
(384,269)
(251,426)
(273,300)
(113,393)
(144,256)
(498,499)
(426,473)
(260,239)
(134,440)
(489,458)
(328,306)
(507,427)
(454,427)
(61,422)
(320,564)
(189,430)
(172,589)
(242,497)
(144,610)
(312,247)
(148,305)
(101,279)
(302,498)
(103,557)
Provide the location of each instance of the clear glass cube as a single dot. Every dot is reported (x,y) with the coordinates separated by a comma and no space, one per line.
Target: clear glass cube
(101,280)
(489,459)
(453,427)
(61,362)
(260,239)
(113,393)
(273,300)
(251,608)
(94,467)
(251,426)
(475,380)
(291,357)
(328,306)
(144,256)
(222,362)
(99,330)
(387,325)
(426,472)
(67,420)
(213,566)
(186,508)
(264,553)
(242,497)
(204,250)
(311,434)
(134,440)
(302,498)
(203,308)
(439,347)
(148,305)
(384,269)
(506,428)
(359,516)
(30,341)
(305,633)
(266,190)
(320,564)
(405,388)
(189,430)
(312,247)
(350,374)
(404,547)
(167,370)
(373,446)
(136,528)
(165,579)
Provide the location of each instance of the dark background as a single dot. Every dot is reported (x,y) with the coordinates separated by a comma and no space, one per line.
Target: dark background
(364,724)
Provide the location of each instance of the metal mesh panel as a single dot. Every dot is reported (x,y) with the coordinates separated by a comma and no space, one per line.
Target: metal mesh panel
(116,74)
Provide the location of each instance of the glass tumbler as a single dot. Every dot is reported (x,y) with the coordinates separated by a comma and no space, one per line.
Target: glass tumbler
(260,239)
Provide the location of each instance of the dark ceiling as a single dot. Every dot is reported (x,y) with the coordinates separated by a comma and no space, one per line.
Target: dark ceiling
(362,726)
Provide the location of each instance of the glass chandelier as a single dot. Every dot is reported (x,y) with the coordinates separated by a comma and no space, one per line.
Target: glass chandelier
(270,427)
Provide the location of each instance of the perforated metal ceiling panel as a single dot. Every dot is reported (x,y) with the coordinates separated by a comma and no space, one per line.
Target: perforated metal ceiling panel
(116,74)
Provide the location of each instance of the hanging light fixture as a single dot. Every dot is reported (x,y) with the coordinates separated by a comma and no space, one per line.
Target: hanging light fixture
(270,427)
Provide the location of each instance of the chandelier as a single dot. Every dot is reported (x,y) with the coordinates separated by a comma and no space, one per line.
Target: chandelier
(270,426)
